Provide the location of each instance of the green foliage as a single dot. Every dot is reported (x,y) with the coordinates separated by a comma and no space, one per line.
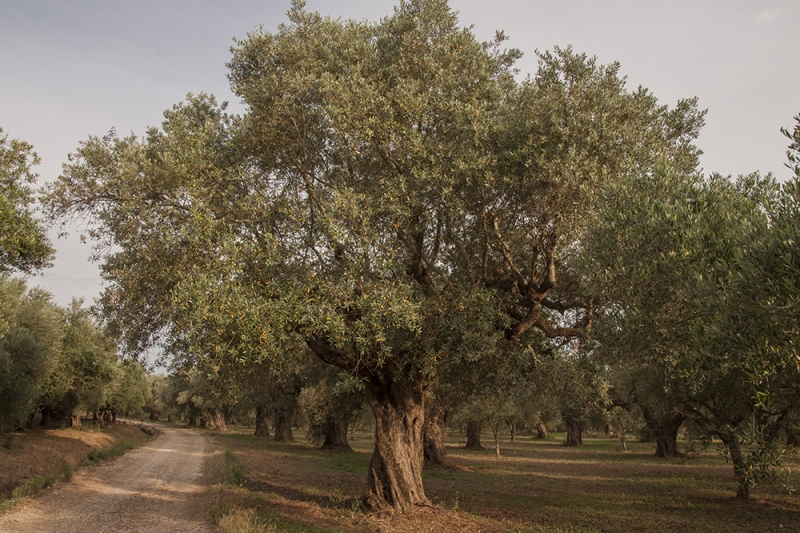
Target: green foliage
(24,245)
(33,486)
(69,471)
(115,451)
(28,348)
(234,472)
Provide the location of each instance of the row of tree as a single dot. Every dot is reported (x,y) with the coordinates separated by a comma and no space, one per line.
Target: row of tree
(451,241)
(60,363)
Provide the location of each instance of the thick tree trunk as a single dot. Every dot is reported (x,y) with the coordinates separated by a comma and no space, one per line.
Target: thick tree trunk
(219,420)
(283,423)
(574,430)
(395,471)
(191,419)
(336,434)
(46,415)
(665,432)
(737,458)
(434,433)
(541,431)
(474,428)
(75,421)
(114,416)
(262,421)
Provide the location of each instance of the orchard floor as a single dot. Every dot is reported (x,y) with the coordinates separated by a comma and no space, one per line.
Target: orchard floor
(537,485)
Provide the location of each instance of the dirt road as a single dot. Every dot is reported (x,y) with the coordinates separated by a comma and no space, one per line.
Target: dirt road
(156,488)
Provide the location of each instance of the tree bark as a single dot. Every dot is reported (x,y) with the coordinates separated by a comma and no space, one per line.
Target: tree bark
(46,415)
(434,433)
(574,430)
(219,420)
(665,432)
(395,471)
(512,429)
(541,431)
(75,420)
(474,428)
(262,421)
(336,434)
(737,458)
(283,423)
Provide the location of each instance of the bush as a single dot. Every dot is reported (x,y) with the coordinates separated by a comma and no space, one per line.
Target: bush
(115,451)
(68,471)
(33,486)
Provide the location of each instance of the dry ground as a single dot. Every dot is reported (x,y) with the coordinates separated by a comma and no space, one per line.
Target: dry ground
(157,488)
(45,451)
(535,486)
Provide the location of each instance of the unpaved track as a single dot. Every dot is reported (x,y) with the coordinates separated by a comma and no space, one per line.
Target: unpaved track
(159,487)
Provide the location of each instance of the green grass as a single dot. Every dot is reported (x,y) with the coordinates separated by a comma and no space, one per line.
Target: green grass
(115,451)
(33,486)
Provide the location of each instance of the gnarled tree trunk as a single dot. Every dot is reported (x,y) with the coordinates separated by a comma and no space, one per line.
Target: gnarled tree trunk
(574,430)
(541,431)
(336,434)
(395,471)
(219,420)
(474,428)
(262,421)
(283,423)
(75,420)
(434,433)
(665,431)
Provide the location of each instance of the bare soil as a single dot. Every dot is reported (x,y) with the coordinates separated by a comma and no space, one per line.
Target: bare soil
(159,487)
(46,451)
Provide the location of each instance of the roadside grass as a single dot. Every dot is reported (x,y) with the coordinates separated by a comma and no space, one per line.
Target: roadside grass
(536,486)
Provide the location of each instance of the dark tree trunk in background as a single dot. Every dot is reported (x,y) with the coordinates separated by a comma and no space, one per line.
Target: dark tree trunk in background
(434,433)
(47,414)
(665,431)
(474,428)
(574,430)
(395,471)
(283,423)
(737,458)
(541,431)
(262,421)
(512,429)
(336,434)
(191,419)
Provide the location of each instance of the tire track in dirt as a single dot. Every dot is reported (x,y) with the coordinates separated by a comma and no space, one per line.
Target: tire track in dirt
(159,487)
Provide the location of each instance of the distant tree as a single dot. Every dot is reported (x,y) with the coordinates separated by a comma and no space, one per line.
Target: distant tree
(87,363)
(24,245)
(29,347)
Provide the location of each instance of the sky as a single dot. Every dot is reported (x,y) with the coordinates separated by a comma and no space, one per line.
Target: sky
(73,69)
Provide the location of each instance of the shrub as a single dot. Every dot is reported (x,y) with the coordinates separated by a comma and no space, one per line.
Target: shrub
(33,486)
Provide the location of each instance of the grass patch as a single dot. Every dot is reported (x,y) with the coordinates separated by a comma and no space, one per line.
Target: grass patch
(234,472)
(69,470)
(109,453)
(33,486)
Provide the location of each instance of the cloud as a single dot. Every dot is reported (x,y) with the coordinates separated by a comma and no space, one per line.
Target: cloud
(768,15)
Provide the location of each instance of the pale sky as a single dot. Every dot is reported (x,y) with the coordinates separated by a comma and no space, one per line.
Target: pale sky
(78,68)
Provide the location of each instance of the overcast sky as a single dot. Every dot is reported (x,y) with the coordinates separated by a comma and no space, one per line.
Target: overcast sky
(73,69)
